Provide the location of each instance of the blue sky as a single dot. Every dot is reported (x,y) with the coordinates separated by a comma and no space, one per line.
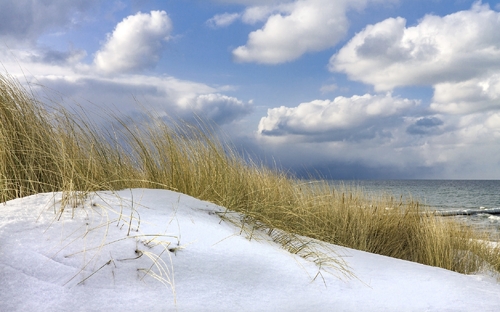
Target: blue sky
(352,89)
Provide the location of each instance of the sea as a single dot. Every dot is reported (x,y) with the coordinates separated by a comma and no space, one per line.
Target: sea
(442,195)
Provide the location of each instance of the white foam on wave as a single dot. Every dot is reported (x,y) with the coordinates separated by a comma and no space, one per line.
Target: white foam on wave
(494,218)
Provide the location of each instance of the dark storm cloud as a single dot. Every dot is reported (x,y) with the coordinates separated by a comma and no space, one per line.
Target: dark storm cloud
(305,165)
(347,170)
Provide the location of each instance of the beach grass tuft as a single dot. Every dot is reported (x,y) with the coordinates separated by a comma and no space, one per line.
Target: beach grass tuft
(45,150)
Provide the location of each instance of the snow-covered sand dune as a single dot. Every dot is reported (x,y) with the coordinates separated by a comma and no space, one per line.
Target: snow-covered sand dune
(177,254)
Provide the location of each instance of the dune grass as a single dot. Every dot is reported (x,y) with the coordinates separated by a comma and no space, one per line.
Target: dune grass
(42,151)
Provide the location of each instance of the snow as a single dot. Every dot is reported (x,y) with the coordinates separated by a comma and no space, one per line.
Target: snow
(87,259)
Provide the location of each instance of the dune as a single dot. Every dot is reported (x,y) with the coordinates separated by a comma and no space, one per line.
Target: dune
(158,250)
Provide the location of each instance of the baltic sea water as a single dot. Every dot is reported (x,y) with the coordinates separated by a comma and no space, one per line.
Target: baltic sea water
(442,195)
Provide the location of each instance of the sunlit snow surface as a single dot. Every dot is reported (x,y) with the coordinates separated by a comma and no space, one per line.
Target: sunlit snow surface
(177,254)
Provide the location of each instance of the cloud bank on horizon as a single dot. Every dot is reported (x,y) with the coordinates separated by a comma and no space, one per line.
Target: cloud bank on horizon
(351,89)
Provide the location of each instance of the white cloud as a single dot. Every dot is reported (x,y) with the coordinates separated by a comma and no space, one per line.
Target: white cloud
(221,109)
(297,28)
(453,48)
(136,43)
(223,20)
(257,14)
(474,95)
(493,124)
(354,118)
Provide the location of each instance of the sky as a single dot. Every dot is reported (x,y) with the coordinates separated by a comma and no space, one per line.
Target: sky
(179,255)
(343,89)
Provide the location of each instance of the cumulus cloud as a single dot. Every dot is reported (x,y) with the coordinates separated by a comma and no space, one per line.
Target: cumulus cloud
(257,14)
(135,44)
(23,21)
(293,29)
(221,109)
(223,20)
(457,47)
(470,96)
(354,118)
